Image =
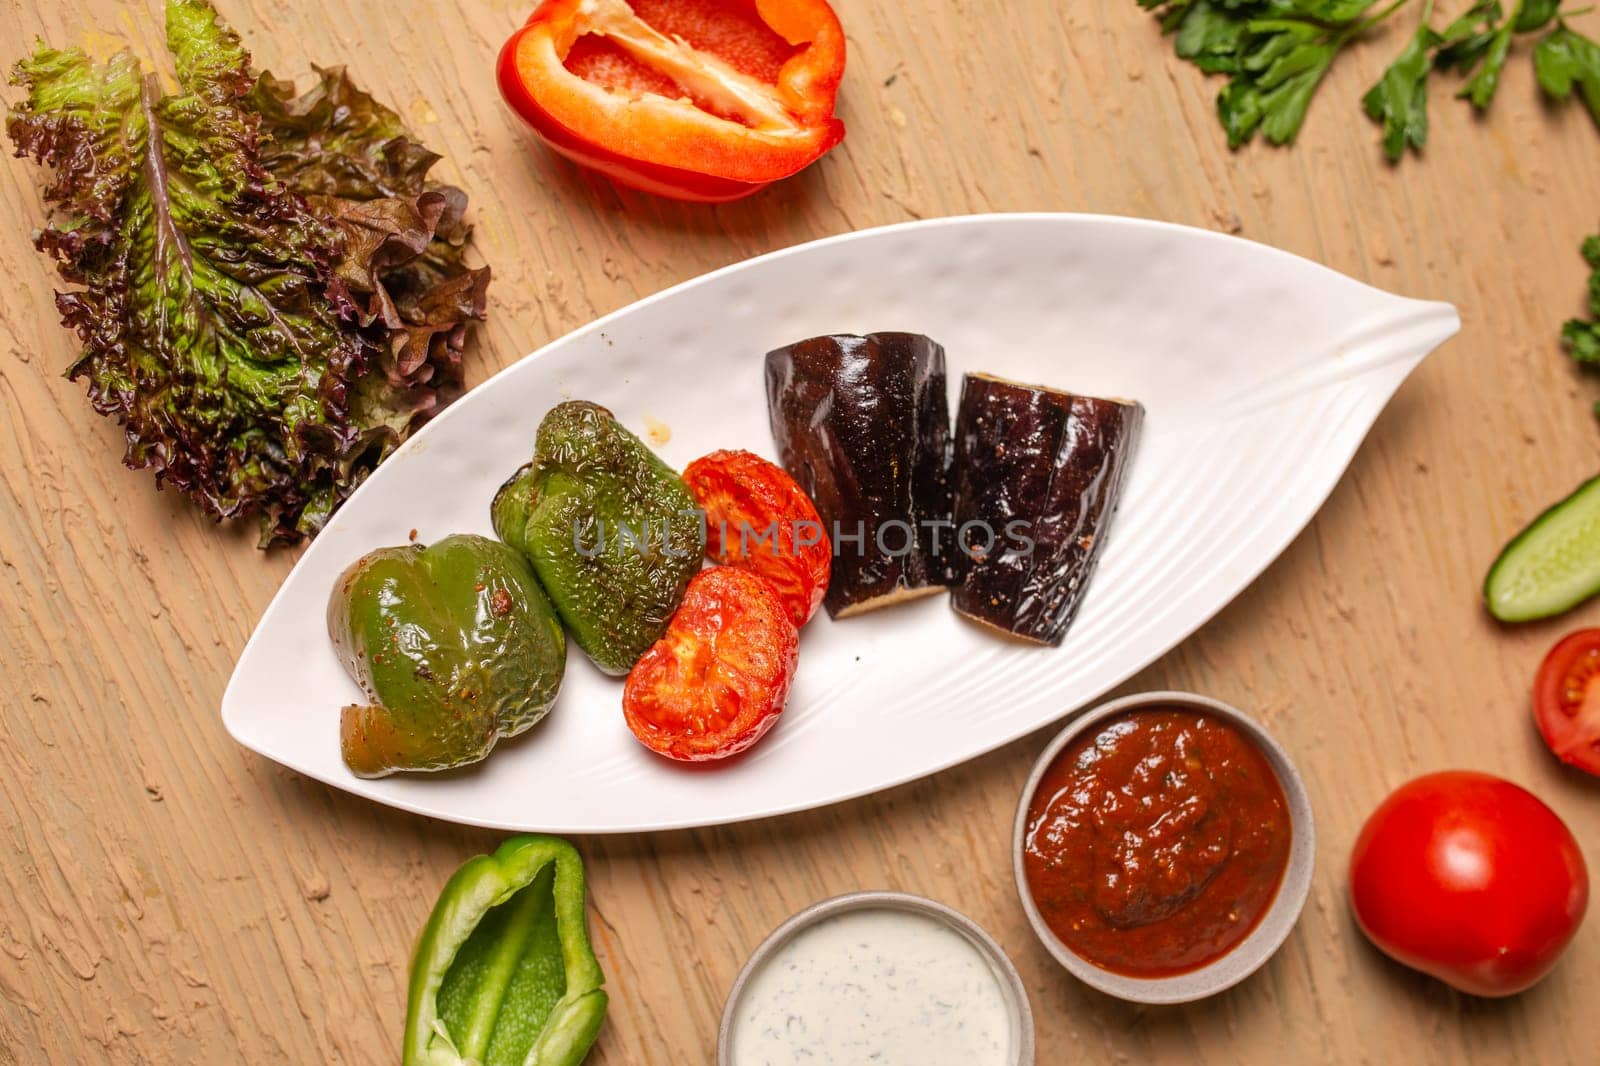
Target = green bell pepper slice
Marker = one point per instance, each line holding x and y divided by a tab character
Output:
454	646
503	973
612	531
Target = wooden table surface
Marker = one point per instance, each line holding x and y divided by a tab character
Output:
169	897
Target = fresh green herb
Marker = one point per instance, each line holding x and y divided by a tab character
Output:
1276	54
1565	60
1484	44
1535	15
268	291
1582	336
1479	41
1465	41
1400	99
1485	82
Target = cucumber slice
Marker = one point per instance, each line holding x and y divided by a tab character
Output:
1553	565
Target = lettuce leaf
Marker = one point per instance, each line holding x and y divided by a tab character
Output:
269	293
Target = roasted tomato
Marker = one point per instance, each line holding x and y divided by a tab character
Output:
705	100
1566	700
1471	879
759	519
717	681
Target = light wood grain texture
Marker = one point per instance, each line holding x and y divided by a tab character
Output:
169	897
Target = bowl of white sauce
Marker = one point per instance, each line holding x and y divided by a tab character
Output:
880	977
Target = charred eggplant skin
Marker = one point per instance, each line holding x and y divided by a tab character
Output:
1043	470
862	423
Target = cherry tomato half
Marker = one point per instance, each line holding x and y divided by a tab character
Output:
716	682
759	519
1469	878
1566	700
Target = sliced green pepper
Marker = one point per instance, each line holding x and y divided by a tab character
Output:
611	531
503	974
454	646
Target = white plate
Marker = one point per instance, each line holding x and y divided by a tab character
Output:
1260	371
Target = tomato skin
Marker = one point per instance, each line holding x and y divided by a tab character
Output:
717	681
743	496
642	146
1471	879
1566	700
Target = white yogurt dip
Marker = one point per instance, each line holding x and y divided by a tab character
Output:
880	985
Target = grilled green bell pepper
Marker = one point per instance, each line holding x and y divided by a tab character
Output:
503	974
454	646
612	532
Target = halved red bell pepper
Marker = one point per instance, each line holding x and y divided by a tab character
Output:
705	100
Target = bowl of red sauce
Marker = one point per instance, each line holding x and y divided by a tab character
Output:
1164	847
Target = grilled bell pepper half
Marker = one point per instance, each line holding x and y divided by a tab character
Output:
454	646
706	101
612	534
503	973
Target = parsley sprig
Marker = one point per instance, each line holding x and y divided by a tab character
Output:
1277	52
1566	61
1582	336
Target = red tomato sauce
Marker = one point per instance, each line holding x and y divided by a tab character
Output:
1156	842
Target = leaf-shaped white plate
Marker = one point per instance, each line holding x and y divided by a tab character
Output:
1260	371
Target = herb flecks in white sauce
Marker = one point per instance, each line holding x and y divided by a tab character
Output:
884	986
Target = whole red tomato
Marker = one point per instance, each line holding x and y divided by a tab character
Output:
1471	879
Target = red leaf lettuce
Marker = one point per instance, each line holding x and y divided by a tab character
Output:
269	292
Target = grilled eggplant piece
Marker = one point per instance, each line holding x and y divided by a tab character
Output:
863	424
1040	472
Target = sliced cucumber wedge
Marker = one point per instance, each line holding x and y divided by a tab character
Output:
1553	565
